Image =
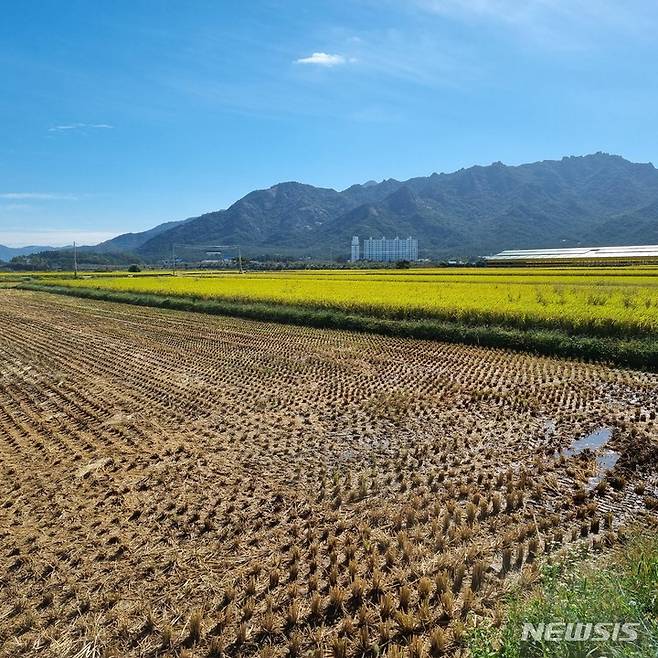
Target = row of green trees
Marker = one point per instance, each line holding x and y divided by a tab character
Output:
46	261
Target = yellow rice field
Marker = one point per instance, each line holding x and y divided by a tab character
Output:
612	301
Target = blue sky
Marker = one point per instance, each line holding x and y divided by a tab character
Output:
116	116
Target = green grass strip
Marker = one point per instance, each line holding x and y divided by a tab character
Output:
619	589
635	352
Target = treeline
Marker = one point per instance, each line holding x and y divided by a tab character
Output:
46	261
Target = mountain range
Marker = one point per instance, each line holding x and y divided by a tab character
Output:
597	199
7	253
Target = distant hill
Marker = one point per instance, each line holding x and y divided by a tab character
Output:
131	241
274	219
7	253
596	199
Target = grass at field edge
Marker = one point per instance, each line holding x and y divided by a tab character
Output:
619	587
637	352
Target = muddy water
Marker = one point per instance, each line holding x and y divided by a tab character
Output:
596	441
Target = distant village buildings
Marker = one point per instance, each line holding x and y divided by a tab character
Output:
384	249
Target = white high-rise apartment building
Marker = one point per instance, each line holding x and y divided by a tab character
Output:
385	250
356	250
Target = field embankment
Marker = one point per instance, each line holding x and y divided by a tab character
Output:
608	316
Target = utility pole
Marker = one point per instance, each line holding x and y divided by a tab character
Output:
240	260
173	259
75	259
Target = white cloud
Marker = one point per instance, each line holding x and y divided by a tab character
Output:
417	57
38	196
505	10
53	237
16	207
323	59
562	24
513	11
79	126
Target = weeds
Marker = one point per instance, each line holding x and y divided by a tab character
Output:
620	589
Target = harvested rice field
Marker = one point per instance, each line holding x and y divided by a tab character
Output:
177	484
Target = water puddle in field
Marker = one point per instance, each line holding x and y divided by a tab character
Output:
604	463
593	441
605	460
